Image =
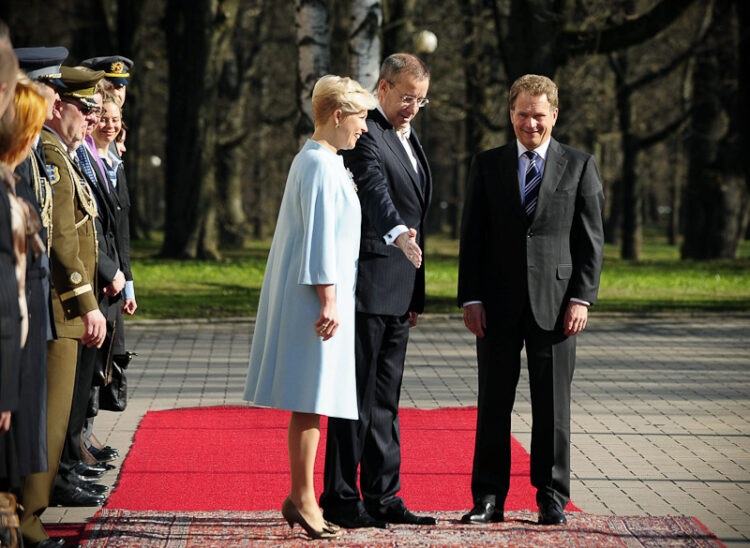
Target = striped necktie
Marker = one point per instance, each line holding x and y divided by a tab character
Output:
531	185
85	164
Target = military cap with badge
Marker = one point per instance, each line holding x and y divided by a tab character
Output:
116	68
80	87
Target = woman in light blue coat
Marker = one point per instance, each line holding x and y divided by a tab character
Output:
302	356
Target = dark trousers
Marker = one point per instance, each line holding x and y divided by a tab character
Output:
551	360
61	372
373	442
84	377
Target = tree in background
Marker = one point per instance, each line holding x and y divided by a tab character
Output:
313	56
239	88
483	45
198	39
717	202
630	80
364	42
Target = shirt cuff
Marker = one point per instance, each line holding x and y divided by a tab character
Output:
574	300
467	303
129	291
394	233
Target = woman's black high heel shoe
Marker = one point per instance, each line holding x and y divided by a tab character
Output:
292	516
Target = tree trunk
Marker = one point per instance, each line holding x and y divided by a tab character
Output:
398	26
716	195
631	188
198	35
675	195
130	33
364	42
313	57
471	11
240	70
536	31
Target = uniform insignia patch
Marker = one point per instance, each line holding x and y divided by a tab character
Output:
53	174
76	278
117	67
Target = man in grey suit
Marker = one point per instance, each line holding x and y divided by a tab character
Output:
530	259
391	172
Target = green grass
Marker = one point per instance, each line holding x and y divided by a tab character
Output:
660	282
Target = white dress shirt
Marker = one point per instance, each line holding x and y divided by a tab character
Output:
403	137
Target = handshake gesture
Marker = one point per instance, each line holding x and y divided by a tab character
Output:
407	241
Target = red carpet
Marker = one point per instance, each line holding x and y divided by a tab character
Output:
235	458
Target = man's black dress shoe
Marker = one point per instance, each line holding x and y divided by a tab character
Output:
354	520
400	514
105	454
87	484
483	512
77	478
550	513
89	470
74	496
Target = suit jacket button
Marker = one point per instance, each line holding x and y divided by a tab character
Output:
530	234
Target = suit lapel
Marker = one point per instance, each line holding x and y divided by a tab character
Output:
508	170
101	181
554	167
394	143
417	146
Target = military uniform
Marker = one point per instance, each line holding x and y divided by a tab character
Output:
73	259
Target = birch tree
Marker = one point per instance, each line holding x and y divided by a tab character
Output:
364	42
313	56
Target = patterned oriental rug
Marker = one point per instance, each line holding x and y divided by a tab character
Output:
216	477
235	458
123	528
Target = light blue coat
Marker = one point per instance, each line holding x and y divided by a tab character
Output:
316	242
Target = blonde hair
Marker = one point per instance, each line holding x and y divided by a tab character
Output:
22	122
336	92
534	85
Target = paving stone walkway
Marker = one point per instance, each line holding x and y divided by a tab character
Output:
660	416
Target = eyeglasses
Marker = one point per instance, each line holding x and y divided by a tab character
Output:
84	109
408	100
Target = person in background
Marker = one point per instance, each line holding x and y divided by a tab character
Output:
70	488
529	265
115	83
19	128
73	260
120	139
117	72
42	65
10	313
302	356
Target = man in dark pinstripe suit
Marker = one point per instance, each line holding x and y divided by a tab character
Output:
394	184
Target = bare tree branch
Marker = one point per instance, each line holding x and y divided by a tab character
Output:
632	32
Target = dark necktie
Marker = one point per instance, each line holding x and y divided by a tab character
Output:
85	164
531	185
